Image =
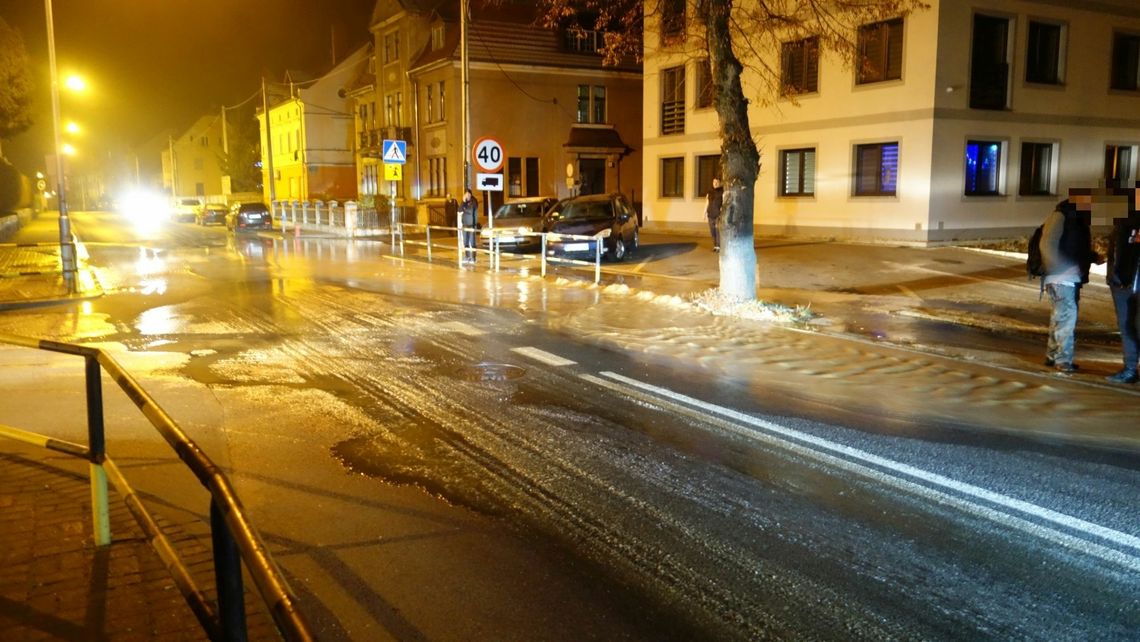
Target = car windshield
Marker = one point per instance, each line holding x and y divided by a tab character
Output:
519	210
585	210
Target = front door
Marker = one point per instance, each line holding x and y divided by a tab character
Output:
592	174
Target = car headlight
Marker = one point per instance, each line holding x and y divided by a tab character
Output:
525	230
486	233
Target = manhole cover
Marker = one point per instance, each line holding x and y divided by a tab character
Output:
491	372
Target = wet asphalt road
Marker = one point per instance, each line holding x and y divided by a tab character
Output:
437	454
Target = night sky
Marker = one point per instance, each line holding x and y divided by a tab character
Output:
154	65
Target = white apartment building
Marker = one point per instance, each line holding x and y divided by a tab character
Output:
968	120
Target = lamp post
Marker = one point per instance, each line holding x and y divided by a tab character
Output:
66	243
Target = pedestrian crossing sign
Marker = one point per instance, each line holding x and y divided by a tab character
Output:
395	151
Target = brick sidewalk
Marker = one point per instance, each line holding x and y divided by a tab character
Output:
54	583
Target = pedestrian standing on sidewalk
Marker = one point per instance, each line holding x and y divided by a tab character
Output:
712	211
1123	277
1066	251
468	218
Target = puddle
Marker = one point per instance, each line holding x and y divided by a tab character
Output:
490	372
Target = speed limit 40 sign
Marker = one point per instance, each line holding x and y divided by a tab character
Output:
488	154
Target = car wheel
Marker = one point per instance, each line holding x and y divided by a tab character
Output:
617	251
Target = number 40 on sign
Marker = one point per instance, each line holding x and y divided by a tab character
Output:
488	154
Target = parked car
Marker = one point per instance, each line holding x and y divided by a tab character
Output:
249	216
185	210
590	215
211	214
517	222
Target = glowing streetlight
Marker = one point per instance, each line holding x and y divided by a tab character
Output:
75	83
72	127
68	149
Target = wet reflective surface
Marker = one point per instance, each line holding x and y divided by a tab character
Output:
428	448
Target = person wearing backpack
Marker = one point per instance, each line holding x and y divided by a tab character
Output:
1066	254
1123	276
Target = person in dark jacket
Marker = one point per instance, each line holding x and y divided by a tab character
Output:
1066	251
1123	275
468	219
712	211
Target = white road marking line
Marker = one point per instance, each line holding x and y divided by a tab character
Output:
460	327
845	455
543	356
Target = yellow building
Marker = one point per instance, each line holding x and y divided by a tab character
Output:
308	141
970	120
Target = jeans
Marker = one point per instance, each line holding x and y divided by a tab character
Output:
469	245
1063	321
714	232
1128	319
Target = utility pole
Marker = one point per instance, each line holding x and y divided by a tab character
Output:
268	151
466	87
66	245
225	139
173	182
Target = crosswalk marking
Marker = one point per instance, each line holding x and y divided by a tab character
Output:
543	356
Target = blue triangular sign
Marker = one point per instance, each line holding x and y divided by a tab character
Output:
393	152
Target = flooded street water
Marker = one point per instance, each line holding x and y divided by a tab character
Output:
436	453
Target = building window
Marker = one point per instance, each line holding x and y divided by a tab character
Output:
583	40
442	105
591	104
708	167
199	189
1118	171
437	36
1045	53
983	167
522	176
1125	62
399	109
437	176
989	63
429	103
198	164
532	184
1036	169
799	67
673	100
876	169
880	51
391	47
797	172
672	21
205	142
704	84
672	177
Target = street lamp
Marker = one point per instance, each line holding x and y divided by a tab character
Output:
66	243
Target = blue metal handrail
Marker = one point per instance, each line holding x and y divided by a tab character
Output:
233	535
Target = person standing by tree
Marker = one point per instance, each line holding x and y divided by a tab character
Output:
1066	251
1123	277
468	218
712	211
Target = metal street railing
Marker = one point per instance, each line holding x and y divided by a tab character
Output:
234	538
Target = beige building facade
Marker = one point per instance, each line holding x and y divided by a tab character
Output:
191	162
970	120
566	123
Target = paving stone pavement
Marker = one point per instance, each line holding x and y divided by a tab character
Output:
55	584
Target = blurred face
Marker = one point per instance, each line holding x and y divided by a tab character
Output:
716	183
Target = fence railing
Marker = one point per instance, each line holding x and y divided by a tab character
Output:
350	221
234	538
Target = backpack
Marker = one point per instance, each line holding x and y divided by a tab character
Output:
1034	265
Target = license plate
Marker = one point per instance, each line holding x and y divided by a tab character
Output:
576	247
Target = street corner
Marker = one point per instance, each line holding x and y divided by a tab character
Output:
46	289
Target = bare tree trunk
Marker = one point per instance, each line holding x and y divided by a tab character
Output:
740	160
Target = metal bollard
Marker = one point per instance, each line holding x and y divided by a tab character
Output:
227	577
100	512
